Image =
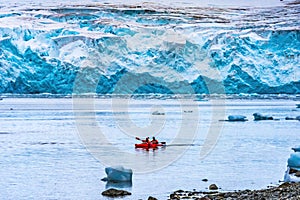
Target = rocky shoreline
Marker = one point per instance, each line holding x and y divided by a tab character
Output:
285	191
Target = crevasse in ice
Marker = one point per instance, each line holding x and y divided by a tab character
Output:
106	48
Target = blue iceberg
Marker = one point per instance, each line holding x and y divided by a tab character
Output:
292	173
294	161
118	174
296	149
237	118
258	116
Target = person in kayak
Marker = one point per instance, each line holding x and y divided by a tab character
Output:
147	140
154	141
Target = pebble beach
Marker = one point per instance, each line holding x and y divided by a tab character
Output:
288	191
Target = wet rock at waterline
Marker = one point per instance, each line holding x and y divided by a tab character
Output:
115	193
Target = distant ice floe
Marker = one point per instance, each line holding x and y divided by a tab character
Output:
158	113
258	116
236	118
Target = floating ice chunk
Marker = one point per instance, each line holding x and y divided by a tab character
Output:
293	118
157	113
118	174
258	116
293	168
294	161
237	118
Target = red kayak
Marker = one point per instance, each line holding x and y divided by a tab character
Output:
148	145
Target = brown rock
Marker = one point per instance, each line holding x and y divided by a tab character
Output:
203	198
297	174
284	185
152	198
213	187
115	193
292	171
174	196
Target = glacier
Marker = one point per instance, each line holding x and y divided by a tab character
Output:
110	48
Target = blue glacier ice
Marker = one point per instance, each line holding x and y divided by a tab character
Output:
237	118
118	174
149	48
293	167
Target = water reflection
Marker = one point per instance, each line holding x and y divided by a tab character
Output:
124	184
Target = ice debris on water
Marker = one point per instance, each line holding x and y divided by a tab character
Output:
158	113
118	174
237	118
292	173
258	116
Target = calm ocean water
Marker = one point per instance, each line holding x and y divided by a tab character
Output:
45	153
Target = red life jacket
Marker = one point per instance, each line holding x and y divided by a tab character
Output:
154	141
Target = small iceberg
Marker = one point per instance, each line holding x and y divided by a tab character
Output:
293	118
158	113
258	116
118	174
237	118
298	105
187	111
292	173
296	149
294	161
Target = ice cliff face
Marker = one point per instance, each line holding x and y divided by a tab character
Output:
150	49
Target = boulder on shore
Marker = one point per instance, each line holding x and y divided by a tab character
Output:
152	198
213	187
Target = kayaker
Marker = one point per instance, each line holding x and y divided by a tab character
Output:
154	141
147	140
